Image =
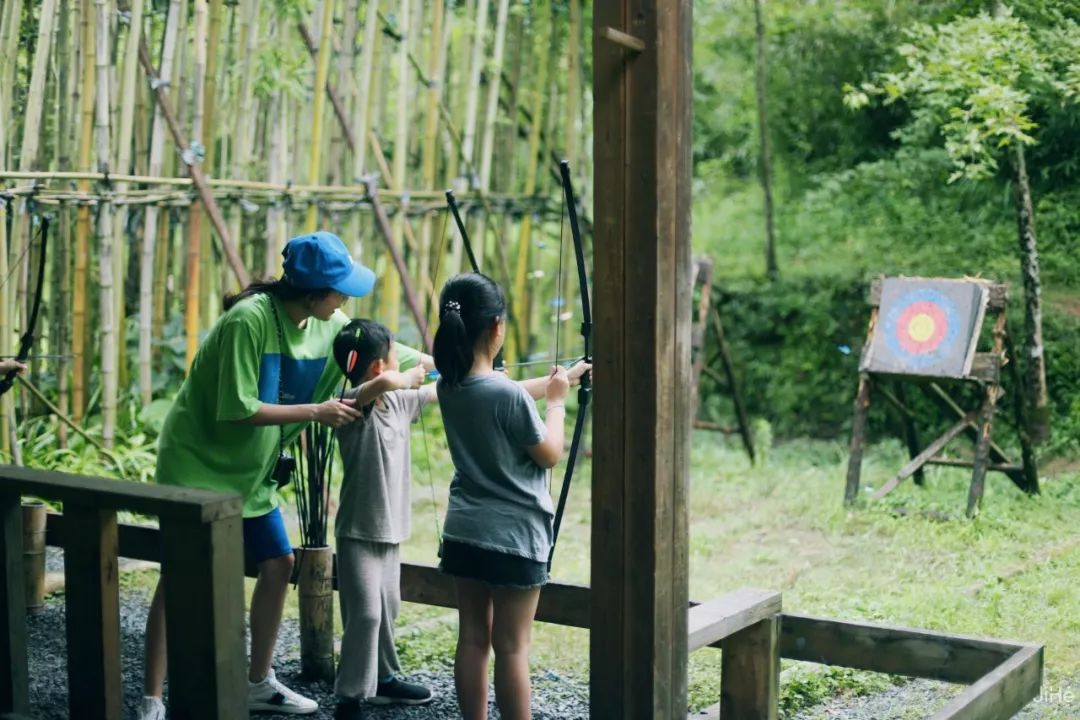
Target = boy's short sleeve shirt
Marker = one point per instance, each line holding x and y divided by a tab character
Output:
375	499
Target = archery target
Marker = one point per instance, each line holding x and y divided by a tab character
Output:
926	327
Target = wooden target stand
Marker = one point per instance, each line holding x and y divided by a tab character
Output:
707	317
984	369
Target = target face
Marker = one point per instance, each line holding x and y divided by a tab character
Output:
926	327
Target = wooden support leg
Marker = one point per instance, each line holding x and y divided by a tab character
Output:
982	449
1030	482
750	672
204	619
92	600
736	392
858	439
911	434
14	682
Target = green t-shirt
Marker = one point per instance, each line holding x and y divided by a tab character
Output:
237	369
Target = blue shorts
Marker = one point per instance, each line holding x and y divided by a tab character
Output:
265	537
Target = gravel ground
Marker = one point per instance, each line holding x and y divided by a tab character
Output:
554	698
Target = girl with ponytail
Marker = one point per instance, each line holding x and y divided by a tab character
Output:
498	530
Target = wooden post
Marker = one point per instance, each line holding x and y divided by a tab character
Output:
858	439
204	618
92	599
750	672
991	393
638	643
14	681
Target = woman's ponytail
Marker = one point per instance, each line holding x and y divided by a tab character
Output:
468	305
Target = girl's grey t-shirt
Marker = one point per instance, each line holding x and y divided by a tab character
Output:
498	498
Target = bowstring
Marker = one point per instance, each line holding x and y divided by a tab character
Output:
423	424
559	304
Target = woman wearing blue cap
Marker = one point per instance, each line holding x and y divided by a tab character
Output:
258	378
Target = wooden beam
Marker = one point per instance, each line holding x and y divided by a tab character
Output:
997	294
146	498
14	680
892	650
203	573
750	672
717	619
641	191
1002	693
92	603
922	458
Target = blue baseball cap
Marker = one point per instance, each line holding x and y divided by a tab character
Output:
320	260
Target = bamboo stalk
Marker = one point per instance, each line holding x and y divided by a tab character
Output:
487	148
193	266
107	308
242	131
542	37
9	45
150	229
472	101
322	68
126	131
390	295
437	69
363	99
67	65
82	227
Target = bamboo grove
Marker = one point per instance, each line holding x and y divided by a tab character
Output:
175	145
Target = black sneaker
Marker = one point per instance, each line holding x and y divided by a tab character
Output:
399	692
349	710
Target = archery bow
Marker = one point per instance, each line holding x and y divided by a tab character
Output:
498	363
27	338
585	388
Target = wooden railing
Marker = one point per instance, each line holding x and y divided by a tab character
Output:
200	542
200	546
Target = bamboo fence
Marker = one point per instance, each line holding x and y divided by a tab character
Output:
178	144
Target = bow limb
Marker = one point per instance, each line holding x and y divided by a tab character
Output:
585	389
26	341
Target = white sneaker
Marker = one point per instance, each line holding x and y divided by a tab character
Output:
270	695
152	708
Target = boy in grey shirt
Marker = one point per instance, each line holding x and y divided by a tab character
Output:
373	516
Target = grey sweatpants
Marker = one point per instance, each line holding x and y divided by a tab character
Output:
369	588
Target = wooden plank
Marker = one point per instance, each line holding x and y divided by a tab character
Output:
935	392
736	392
717	619
703	268
921	459
560	603
92	602
892	650
986	367
1002	693
204	619
750	672
14	680
146	498
997	294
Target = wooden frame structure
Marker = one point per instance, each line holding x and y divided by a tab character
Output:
200	546
706	316
977	423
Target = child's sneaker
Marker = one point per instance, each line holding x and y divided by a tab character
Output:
398	692
270	695
152	708
349	710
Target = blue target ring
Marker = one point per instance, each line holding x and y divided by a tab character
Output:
930	307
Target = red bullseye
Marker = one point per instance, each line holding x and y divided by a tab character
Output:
921	327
